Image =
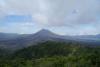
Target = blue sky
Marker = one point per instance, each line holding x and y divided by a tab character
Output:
65	17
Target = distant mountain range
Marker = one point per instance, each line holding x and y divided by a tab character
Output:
16	41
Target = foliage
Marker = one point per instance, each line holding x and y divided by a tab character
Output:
53	54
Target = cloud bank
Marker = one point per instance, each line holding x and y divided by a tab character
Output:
70	17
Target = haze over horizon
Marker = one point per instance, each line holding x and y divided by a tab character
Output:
65	17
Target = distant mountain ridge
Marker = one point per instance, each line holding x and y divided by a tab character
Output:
7	36
15	41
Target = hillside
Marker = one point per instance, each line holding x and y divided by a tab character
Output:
53	54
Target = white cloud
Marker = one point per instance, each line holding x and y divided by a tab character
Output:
21	28
40	19
56	13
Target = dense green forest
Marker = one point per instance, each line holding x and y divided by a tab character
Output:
52	54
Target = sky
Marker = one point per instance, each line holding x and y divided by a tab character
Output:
65	17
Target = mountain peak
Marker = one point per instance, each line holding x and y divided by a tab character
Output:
44	30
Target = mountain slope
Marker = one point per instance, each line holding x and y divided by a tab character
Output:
27	40
8	36
21	41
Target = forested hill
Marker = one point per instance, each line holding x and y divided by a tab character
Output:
53	54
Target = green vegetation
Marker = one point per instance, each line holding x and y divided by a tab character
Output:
53	54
